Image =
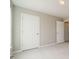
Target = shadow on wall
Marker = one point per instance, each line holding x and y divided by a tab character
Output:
66	31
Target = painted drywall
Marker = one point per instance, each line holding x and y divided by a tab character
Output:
66	31
47	26
11	6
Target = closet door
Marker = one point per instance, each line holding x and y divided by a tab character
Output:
60	31
30	31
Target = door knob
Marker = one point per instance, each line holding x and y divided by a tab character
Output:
37	33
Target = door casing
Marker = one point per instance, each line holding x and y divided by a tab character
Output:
59	31
21	36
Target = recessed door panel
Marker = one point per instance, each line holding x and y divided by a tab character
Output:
30	32
60	31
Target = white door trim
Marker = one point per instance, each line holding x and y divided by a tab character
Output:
21	34
57	32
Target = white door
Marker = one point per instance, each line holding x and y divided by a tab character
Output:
60	31
30	31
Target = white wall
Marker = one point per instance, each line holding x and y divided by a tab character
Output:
48	26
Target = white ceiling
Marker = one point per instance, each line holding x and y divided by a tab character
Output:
51	7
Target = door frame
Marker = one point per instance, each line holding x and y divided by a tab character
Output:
56	31
21	26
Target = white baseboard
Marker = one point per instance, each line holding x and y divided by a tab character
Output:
18	51
15	52
51	44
